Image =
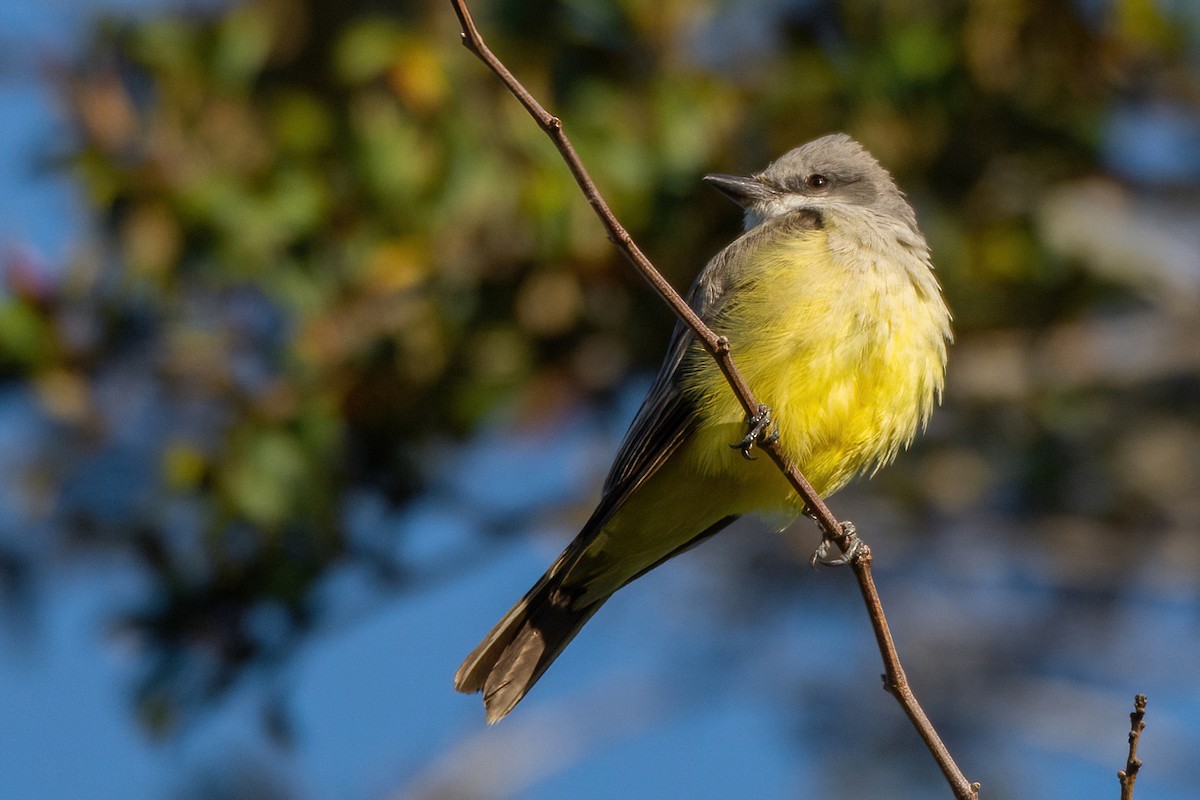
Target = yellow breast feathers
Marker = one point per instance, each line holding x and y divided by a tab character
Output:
842	335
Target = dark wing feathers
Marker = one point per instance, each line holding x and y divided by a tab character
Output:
665	418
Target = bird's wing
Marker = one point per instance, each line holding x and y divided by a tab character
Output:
666	417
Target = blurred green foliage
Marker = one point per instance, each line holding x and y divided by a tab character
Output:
330	243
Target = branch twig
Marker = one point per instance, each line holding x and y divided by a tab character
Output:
1128	775
859	555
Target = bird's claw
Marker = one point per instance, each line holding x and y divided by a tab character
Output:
825	556
758	424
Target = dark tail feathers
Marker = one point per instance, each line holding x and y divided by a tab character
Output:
522	646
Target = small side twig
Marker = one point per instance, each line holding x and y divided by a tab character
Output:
1128	776
858	554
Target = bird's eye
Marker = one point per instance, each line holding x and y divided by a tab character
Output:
816	181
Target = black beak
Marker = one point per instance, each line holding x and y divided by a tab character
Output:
743	191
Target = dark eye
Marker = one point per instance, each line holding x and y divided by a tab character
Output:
816	181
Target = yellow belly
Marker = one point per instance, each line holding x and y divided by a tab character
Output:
849	357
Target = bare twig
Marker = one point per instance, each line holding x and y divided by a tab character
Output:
858	554
1128	775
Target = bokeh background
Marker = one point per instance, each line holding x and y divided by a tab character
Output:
312	357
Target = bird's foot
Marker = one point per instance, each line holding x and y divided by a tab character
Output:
757	425
830	554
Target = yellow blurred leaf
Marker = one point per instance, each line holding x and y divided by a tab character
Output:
300	123
1006	251
1142	21
183	465
25	335
418	78
395	265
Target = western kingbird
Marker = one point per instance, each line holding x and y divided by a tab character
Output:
838	325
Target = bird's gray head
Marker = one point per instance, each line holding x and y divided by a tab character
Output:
823	174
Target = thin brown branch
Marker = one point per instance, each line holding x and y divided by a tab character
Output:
1128	776
857	553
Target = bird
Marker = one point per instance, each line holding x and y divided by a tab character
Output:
838	325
